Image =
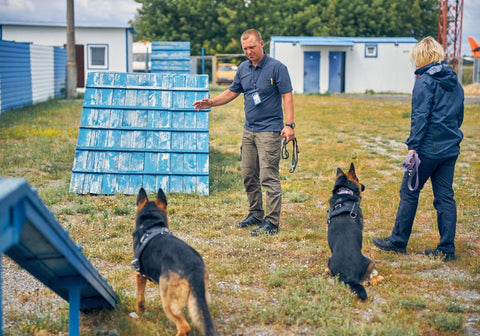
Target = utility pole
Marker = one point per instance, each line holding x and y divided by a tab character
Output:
71	58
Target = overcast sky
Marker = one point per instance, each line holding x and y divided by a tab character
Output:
119	12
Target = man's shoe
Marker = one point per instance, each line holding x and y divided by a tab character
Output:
249	221
436	253
387	245
265	228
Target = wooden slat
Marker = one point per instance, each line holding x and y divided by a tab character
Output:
141	130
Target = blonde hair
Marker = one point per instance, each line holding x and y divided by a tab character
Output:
247	33
427	51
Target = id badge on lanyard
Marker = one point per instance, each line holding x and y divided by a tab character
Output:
256	98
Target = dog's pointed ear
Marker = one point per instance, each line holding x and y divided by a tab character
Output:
161	196
142	196
340	172
352	168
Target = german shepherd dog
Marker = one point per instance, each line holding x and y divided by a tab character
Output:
176	267
345	225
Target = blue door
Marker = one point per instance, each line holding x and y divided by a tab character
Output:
336	75
311	71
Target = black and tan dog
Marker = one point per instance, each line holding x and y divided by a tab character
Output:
345	225
172	264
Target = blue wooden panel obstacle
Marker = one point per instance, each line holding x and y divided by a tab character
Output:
170	57
140	129
31	236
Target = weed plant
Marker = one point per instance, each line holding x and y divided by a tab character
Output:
269	285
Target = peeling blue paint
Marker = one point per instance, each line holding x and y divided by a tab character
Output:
140	130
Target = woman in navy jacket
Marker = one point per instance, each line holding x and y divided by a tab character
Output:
435	136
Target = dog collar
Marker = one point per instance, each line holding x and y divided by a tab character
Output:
344	191
149	234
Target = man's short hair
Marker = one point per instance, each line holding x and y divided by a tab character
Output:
247	33
427	51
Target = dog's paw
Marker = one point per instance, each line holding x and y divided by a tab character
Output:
376	280
373	274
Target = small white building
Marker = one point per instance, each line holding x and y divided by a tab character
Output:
346	64
142	53
97	48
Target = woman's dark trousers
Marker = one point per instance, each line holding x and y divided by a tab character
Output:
440	172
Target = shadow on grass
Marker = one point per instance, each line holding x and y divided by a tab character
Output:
225	172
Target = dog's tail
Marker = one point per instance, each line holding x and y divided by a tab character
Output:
198	308
358	289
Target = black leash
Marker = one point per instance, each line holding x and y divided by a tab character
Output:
295	151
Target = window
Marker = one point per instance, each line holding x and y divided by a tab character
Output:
98	56
370	50
227	68
140	57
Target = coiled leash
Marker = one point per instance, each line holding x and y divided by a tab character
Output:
410	165
295	151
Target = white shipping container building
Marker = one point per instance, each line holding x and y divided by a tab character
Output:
347	64
98	48
142	53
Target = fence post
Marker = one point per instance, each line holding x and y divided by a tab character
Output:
1	298
74	310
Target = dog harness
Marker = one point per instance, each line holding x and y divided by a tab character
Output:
343	207
140	246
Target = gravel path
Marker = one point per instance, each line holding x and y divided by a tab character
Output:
24	297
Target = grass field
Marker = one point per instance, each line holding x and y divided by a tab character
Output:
268	285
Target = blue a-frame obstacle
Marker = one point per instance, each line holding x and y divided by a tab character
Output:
140	129
31	236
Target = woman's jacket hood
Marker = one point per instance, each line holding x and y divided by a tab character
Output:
441	73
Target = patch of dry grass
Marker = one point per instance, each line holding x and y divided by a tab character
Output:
472	90
274	285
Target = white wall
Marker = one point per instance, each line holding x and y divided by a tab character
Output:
41	64
117	51
391	71
292	57
115	38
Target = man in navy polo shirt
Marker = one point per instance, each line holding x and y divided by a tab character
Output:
265	83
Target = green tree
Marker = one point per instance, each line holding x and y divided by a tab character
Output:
216	25
178	20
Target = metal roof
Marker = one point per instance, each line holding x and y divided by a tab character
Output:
59	24
339	41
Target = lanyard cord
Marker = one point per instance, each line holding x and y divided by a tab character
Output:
295	151
255	79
